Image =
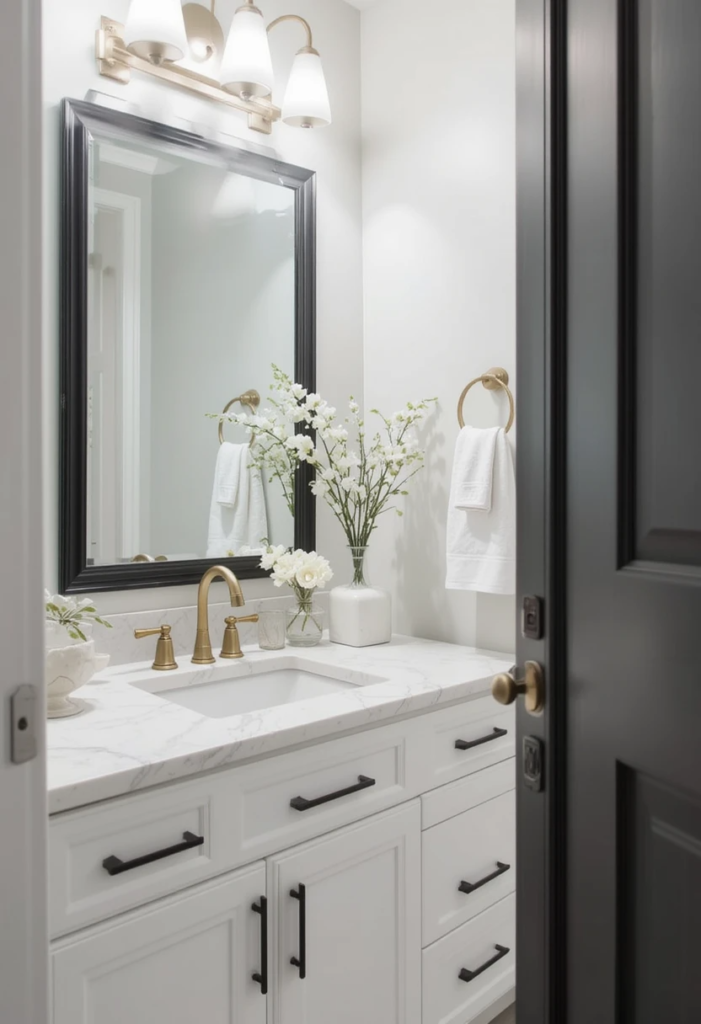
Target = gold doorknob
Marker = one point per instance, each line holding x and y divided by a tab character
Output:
505	689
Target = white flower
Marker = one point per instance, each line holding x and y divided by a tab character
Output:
297	391
362	492
335	434
329	474
313	571
348	461
314	401
354	407
349	485
303	445
271	556
320	488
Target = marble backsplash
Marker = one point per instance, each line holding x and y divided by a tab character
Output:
119	641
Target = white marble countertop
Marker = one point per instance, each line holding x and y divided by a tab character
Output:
129	739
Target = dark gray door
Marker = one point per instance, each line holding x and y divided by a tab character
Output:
614	846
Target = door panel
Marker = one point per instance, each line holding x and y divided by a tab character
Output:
661	900
662	39
363	924
633	596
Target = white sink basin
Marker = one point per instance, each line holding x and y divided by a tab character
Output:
224	690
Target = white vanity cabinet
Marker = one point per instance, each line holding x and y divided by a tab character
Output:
353	925
361	879
180	960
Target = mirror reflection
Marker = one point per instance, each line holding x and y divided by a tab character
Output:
191	298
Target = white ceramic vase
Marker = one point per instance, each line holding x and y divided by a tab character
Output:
67	669
360	615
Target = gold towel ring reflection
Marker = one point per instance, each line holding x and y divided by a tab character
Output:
495	378
250	398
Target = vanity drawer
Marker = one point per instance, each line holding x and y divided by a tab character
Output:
475	850
450	999
294	797
468	737
132	829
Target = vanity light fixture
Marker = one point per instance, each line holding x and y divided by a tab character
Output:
158	34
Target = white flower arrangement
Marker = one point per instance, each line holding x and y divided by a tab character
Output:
278	449
72	614
303	571
358	485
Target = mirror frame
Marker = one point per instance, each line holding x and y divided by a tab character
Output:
79	120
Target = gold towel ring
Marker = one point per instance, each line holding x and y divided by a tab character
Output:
495	378
251	399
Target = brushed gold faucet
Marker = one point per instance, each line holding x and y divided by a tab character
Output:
202	654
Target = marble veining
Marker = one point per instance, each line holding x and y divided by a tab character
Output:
129	739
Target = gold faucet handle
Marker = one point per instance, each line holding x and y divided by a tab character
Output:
231	646
165	655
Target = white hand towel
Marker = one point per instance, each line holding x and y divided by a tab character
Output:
227	472
237	517
473	468
481	540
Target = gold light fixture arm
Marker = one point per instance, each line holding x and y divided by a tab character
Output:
309	48
116	62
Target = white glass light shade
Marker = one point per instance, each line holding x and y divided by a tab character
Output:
247	67
306	103
155	30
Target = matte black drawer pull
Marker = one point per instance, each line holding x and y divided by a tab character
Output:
300	893
300	803
471	886
262	978
115	866
466	975
467	745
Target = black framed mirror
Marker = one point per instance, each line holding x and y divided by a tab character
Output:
187	269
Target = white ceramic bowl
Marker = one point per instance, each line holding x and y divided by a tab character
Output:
66	670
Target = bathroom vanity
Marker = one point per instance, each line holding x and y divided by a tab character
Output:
344	856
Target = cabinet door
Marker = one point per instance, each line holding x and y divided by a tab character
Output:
355	933
185	959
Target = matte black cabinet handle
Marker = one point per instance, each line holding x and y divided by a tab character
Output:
300	803
300	893
262	978
466	975
468	745
115	866
471	886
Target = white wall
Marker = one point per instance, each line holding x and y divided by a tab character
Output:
439	268
334	153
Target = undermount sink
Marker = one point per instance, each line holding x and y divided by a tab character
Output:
225	690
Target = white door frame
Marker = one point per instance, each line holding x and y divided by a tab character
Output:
23	919
129	473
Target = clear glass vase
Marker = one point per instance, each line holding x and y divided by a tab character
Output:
360	615
305	623
358	557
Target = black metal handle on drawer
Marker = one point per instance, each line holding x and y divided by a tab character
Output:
469	744
466	975
300	893
115	866
262	978
300	803
469	887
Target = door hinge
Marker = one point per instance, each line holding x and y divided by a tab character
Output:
23	712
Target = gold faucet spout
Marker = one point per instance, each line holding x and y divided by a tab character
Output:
203	648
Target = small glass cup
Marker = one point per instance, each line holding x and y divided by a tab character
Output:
271	629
